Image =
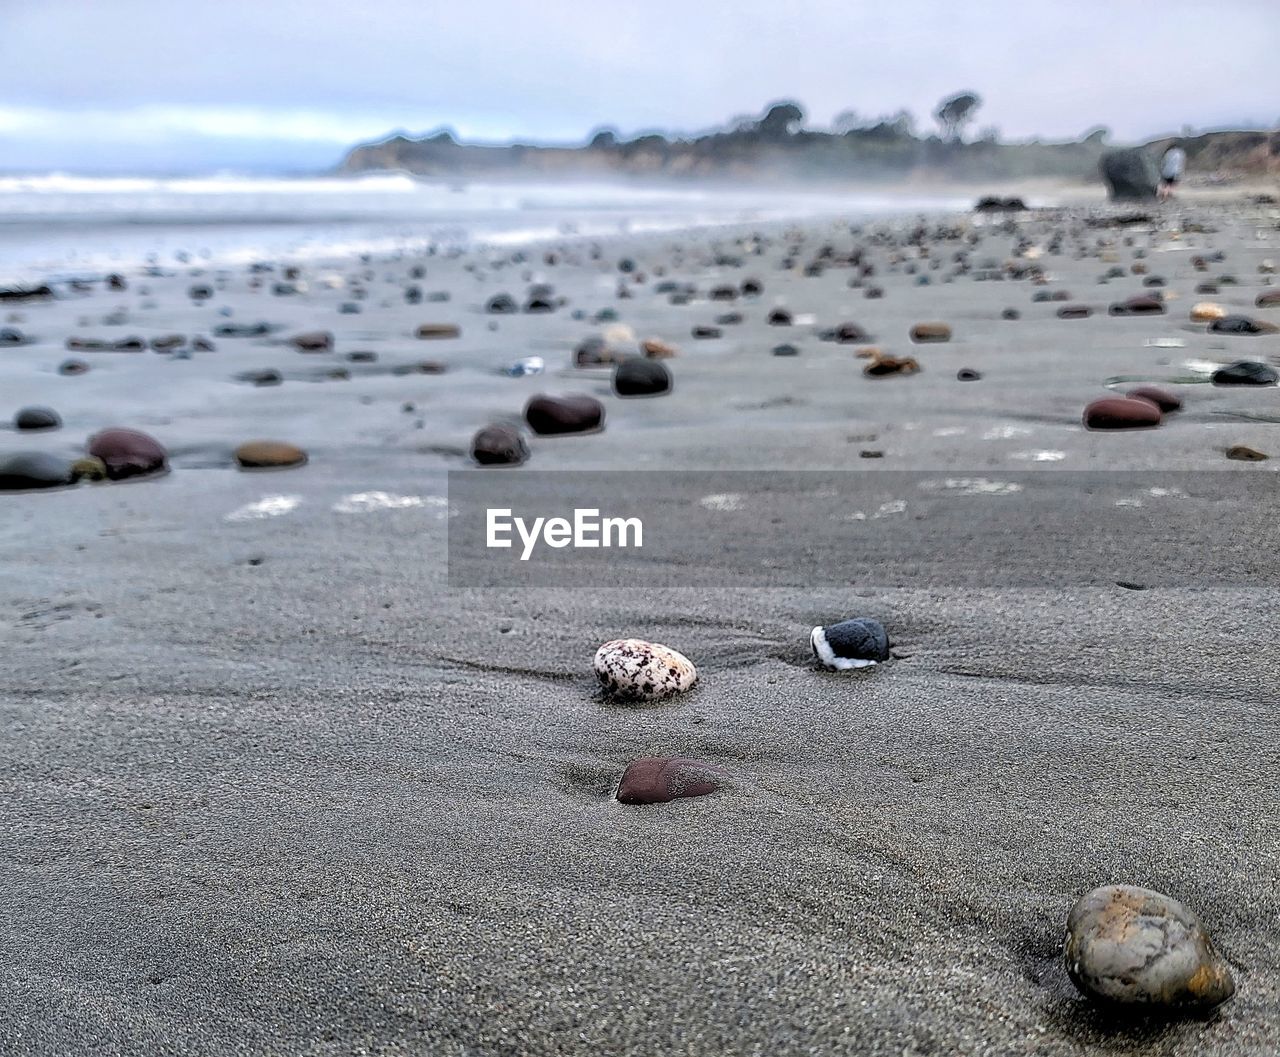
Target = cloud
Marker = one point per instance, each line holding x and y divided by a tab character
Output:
312	73
158	122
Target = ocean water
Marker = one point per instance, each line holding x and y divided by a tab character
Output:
61	225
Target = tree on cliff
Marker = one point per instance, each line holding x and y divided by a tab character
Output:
781	120
955	112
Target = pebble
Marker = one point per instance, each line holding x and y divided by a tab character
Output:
1242	325
265	376
265	454
1206	312
241	330
313	341
1074	312
128	453
31	418
1120	412
438	331
1270	299
87	467
968	374
498	445
528	366
1130	946
856	643
1243	453
551	415
661	779
593	352
637	670
1165	400
882	365
850	334
73	367
656	349
785	349
640	376
1245	372
927	332
1137	306
33	469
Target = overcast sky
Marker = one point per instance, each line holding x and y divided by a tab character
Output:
148	85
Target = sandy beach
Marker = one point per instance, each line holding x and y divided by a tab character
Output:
277	779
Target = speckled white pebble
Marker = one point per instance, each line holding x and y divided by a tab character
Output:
633	668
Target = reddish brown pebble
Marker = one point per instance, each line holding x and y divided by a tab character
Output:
1165	400
1118	412
127	453
661	779
548	415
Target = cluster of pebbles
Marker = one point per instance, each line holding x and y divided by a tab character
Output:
928	253
116	454
1126	949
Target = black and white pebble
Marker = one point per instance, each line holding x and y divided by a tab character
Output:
857	643
1128	946
1245	372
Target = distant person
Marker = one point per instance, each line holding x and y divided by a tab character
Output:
1171	166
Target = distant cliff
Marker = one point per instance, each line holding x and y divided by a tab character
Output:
774	146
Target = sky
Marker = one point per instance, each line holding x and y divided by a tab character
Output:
283	86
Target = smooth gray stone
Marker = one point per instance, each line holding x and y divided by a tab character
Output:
1129	946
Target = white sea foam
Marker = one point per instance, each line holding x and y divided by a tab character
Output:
367	502
727	501
267	506
972	486
1006	432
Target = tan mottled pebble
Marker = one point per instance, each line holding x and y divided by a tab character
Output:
1133	946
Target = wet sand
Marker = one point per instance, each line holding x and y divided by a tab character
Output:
272	786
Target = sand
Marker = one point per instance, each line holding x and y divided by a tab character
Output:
271	785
